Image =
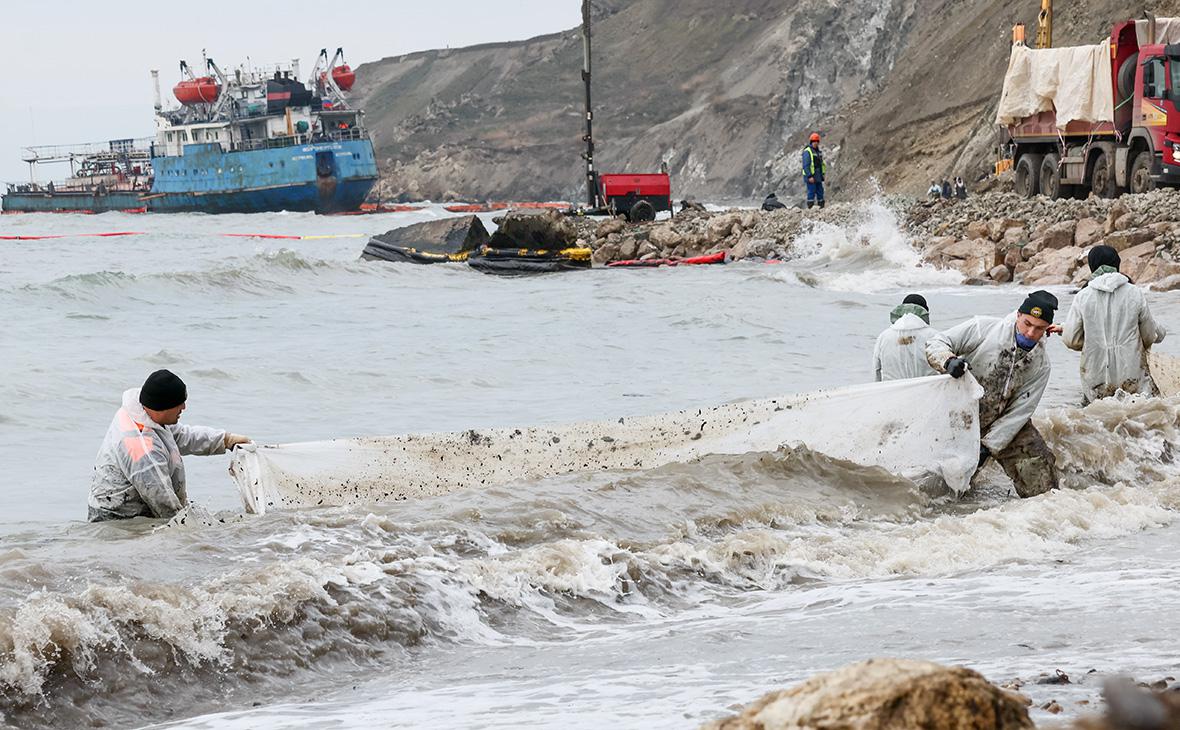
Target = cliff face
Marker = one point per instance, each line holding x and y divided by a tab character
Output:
901	89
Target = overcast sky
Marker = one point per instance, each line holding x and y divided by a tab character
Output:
78	70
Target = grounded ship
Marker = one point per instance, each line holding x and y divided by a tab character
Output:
247	142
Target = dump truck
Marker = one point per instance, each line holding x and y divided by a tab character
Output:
1102	119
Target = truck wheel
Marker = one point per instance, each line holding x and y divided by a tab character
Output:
1050	177
1028	170
642	211
1102	180
1141	181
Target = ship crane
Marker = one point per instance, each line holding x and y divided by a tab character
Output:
332	77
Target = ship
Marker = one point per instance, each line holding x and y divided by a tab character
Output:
250	141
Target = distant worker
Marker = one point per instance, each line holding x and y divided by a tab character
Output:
934	192
139	472
945	189
772	203
960	189
1110	323
900	352
1013	370
814	170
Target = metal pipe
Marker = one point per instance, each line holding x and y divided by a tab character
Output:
592	197
156	89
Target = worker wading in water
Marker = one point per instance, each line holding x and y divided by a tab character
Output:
1013	368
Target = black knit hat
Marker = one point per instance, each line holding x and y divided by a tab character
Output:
916	299
162	390
1100	256
1040	304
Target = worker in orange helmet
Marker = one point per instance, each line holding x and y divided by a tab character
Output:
814	169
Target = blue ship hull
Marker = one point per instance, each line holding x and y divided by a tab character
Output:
322	177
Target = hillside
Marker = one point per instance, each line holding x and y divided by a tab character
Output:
902	89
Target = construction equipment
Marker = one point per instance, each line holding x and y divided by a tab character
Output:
1045	25
637	196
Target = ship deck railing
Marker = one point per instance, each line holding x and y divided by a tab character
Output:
293	140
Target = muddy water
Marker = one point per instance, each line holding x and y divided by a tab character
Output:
645	598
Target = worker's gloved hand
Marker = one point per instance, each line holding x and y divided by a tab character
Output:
811	180
233	439
955	367
984	452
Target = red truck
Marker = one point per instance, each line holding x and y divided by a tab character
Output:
1134	153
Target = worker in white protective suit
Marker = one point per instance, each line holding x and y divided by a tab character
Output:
1012	366
139	471
1109	321
900	351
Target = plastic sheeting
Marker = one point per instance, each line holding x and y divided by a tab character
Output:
1167	30
920	428
1075	81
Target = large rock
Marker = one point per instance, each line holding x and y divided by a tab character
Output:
1001	274
1129	707
978	229
1120	240
1059	235
448	236
1054	267
1087	232
1170	283
886	694
1015	236
609	226
1154	270
998	226
535	229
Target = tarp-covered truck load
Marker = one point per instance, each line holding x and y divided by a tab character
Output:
1074	82
921	429
1098	119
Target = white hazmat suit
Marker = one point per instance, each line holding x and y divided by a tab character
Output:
900	352
139	470
1110	323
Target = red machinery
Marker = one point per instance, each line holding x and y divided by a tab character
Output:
1138	151
637	196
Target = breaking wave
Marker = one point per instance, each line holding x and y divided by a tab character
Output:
340	590
866	252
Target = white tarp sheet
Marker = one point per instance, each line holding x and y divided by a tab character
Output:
1167	30
914	428
1075	81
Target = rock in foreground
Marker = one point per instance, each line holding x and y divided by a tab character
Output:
428	242
886	694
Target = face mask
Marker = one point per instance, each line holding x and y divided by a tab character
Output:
1025	343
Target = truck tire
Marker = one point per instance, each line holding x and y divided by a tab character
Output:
641	212
1140	180
1028	172
1126	77
1050	178
1102	180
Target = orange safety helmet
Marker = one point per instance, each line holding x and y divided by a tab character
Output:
815	136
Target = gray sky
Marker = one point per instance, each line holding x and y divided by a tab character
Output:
77	70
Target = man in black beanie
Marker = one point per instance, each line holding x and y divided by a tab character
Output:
1006	357
139	471
1110	322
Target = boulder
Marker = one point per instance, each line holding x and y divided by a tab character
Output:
1001	274
665	237
607	227
535	229
1129	707
1059	235
628	248
1013	256
648	250
606	253
1142	250
1015	236
1117	210
753	247
1155	270
1087	232
978	229
1054	267
886	694
445	237
1120	240
1168	283
721	226
997	226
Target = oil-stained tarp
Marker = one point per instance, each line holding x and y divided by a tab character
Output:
920	428
1074	81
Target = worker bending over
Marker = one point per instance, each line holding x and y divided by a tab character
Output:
1007	359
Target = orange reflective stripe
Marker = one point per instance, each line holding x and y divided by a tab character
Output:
126	424
137	446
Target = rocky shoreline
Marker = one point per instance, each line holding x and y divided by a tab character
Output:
991	238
